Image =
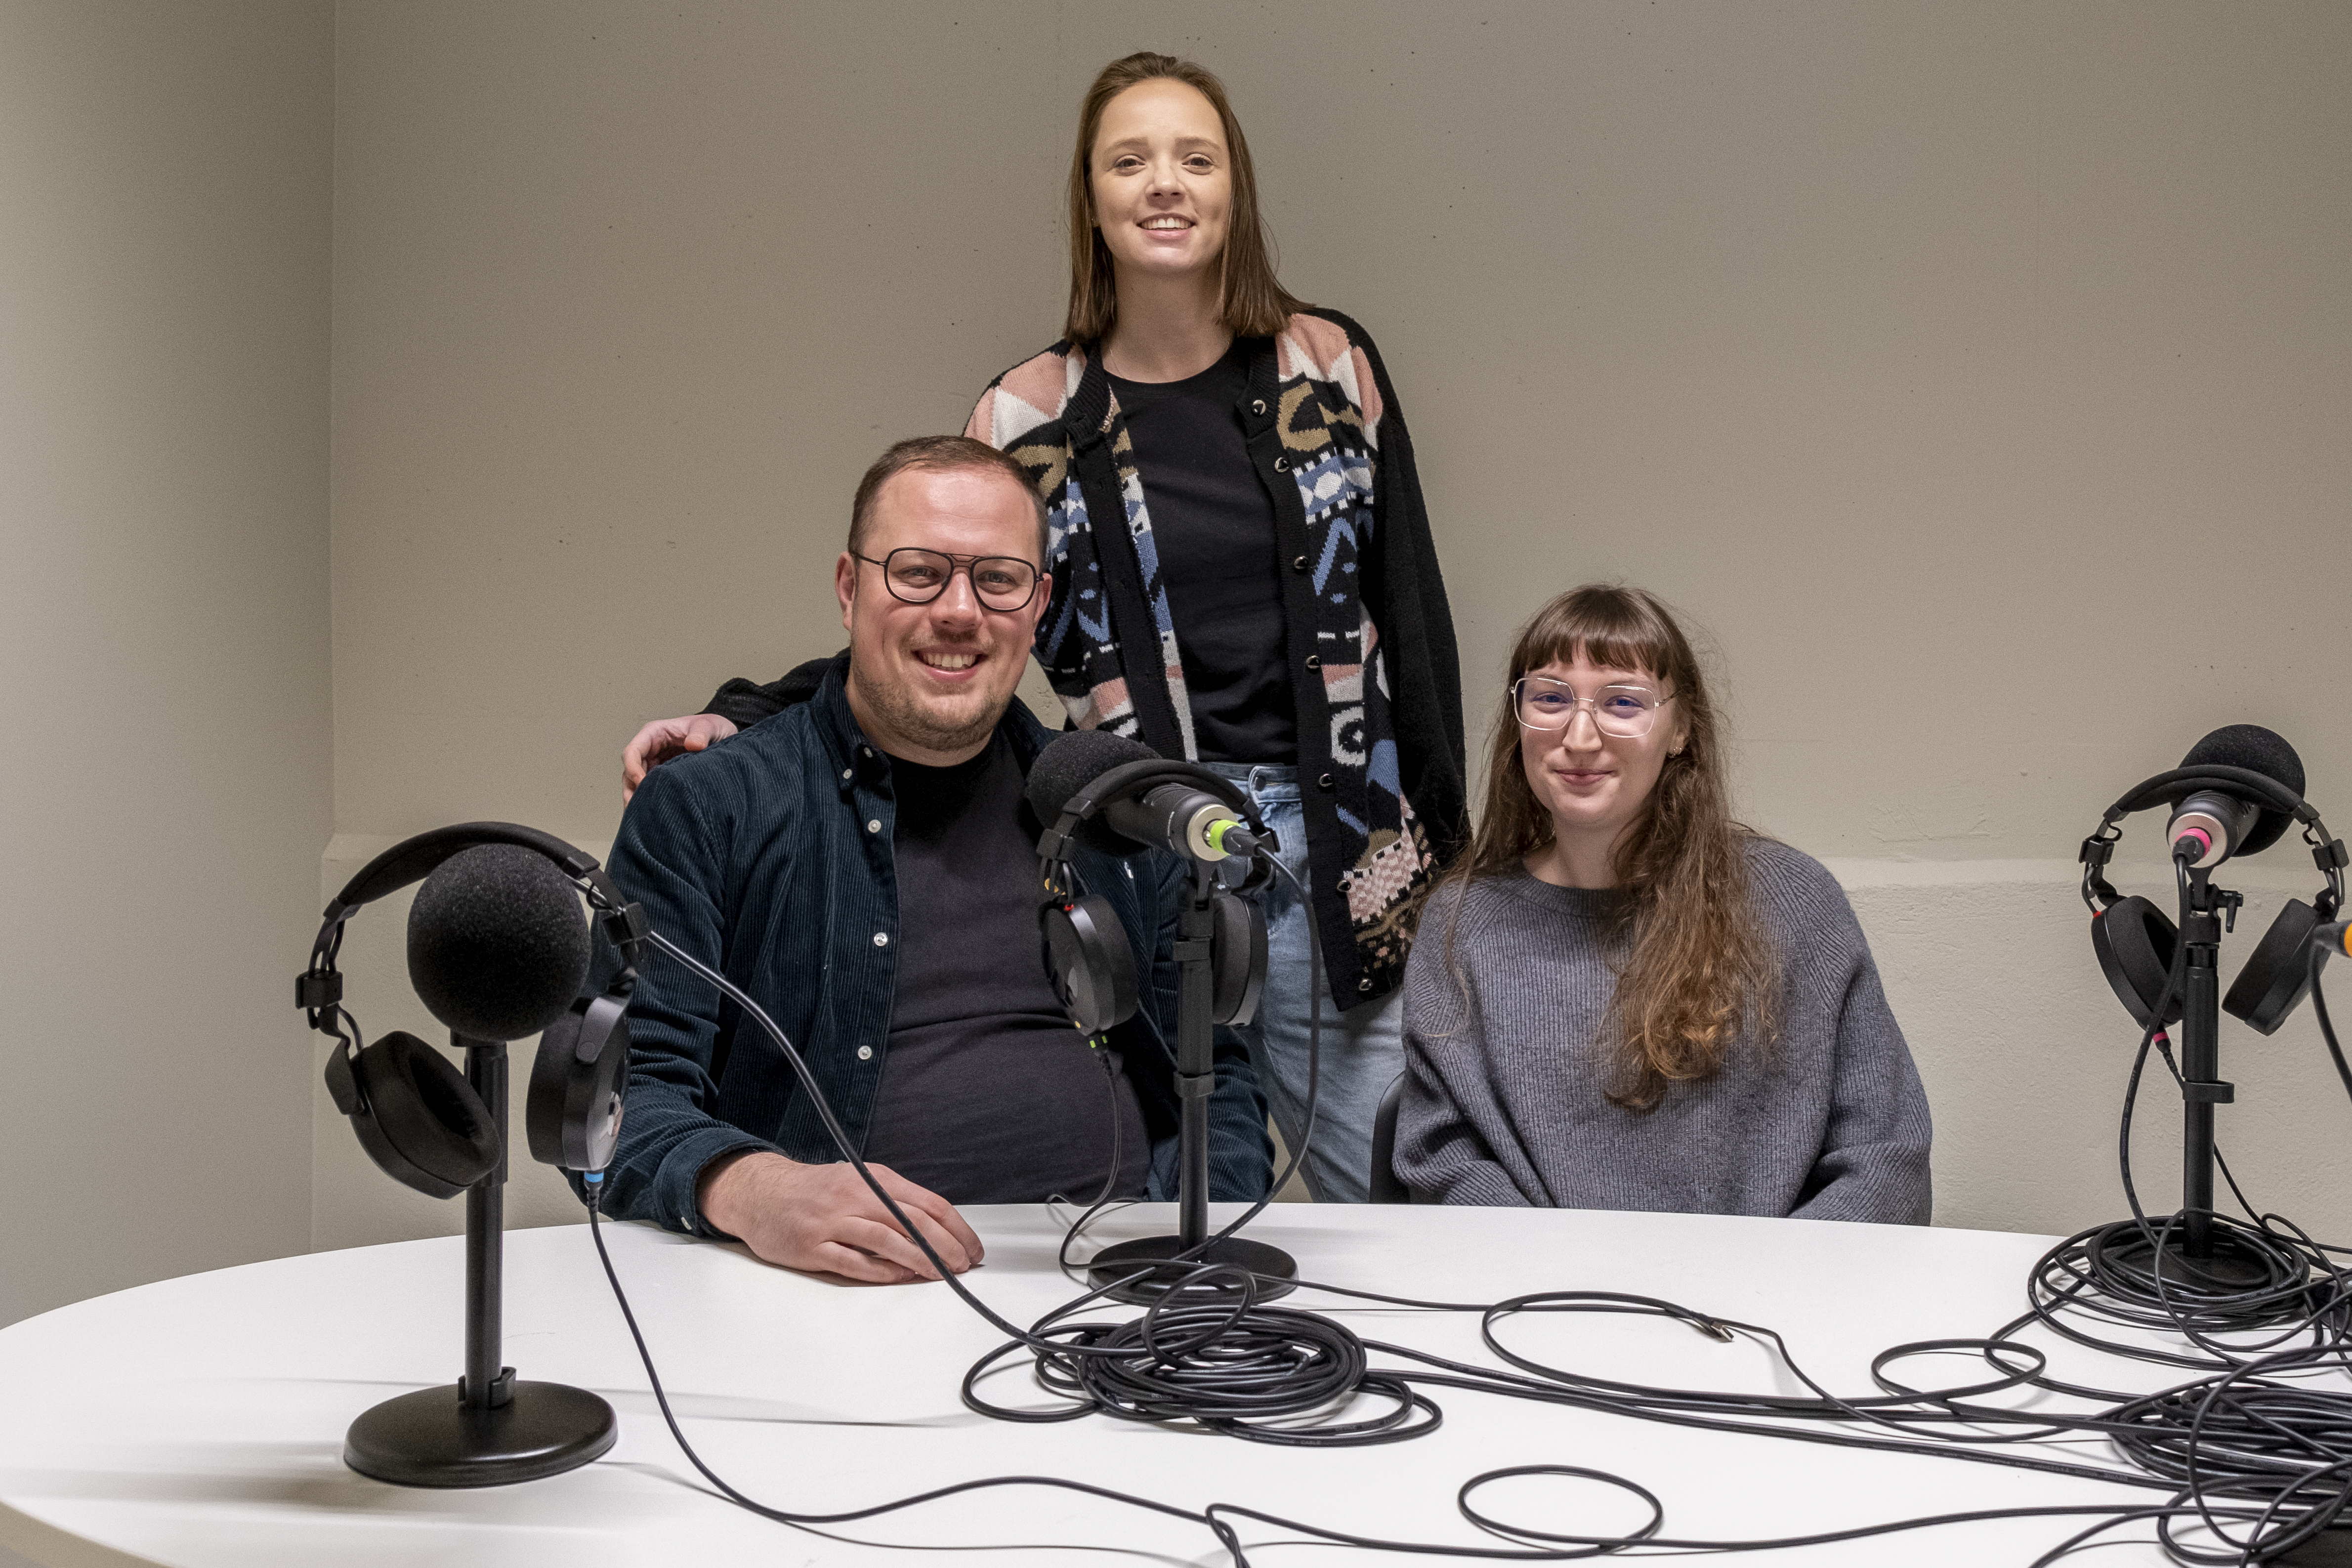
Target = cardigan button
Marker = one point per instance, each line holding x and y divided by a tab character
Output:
1282	465
1313	662
1323	783
1299	563
1365	984
1257	406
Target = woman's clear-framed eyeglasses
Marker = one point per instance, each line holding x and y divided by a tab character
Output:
1001	583
1625	711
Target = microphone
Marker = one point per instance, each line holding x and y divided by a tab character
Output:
498	947
1170	815
2212	825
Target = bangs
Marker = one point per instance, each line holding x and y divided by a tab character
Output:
1612	628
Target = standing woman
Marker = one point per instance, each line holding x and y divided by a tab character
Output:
1242	570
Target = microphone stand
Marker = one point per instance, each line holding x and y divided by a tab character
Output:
490	1430
1196	1083
2198	1253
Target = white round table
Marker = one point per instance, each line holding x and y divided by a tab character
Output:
199	1422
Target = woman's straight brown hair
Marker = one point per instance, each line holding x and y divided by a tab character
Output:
1700	971
1252	302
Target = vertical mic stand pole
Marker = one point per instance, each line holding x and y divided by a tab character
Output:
2200	1063
490	1430
2203	1256
487	1384
1196	1054
1196	1084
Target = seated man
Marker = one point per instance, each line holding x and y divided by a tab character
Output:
863	864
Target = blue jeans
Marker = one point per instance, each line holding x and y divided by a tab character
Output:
1363	1048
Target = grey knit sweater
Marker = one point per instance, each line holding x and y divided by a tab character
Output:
1506	1068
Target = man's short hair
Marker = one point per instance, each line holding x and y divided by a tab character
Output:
939	454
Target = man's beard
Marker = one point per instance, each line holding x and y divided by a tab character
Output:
923	724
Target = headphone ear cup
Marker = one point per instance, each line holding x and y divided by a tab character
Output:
2135	942
419	1119
2277	973
1089	961
1237	957
572	1112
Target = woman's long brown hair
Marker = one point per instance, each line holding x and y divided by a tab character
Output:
1253	303
1699	971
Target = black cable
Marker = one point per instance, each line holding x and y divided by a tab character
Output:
1228	1367
1213	1518
2247	1447
594	1183
1100	1045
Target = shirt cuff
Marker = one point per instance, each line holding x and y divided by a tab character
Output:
682	1173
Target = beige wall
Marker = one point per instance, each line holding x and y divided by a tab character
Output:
1909	348
164	215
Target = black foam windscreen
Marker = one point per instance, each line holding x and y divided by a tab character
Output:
497	946
1069	762
2260	751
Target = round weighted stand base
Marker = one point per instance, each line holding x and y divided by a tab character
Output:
2235	1267
430	1438
1115	1263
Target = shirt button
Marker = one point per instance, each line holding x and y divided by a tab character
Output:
1257	406
865	1053
881	939
873	825
1323	783
1313	662
848	773
1282	465
1298	565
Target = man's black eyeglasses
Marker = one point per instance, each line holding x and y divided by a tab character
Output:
918	577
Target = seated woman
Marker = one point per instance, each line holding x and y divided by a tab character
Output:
1619	998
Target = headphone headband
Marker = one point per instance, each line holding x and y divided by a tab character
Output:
413	859
320	988
2167	788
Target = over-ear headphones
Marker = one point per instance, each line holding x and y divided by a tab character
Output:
1087	956
415	1115
2136	942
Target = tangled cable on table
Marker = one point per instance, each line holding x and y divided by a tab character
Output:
2253	1462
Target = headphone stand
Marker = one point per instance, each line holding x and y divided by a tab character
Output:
2196	1255
489	1430
2200	1062
1196	1080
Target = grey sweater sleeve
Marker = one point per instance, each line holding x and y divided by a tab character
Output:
1873	1161
1440	1152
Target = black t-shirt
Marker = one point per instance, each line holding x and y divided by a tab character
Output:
988	1094
1215	526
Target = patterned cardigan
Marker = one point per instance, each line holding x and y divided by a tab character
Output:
1374	673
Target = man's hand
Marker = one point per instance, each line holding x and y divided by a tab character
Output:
663	739
823	1220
